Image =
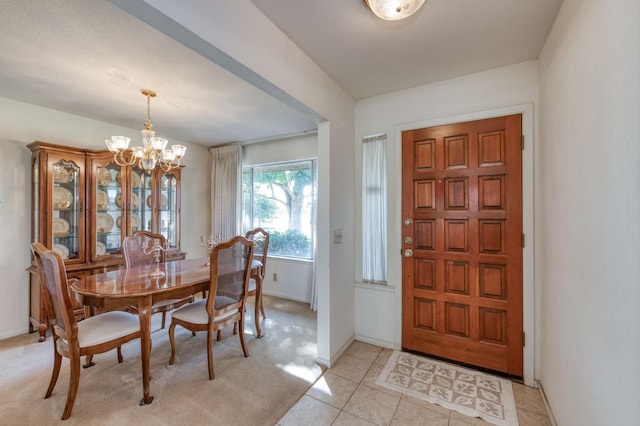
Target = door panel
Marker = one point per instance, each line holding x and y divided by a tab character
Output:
462	222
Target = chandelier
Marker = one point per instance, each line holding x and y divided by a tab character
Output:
393	10
152	153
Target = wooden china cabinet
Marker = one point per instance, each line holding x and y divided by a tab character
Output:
84	205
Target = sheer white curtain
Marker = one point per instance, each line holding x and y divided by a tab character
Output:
374	209
226	191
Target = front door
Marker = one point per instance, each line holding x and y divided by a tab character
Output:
462	243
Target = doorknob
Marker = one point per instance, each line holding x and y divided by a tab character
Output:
408	253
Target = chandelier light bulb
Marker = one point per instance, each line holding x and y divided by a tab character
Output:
393	10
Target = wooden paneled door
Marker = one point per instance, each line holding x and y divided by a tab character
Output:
462	243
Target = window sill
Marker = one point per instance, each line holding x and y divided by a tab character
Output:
379	287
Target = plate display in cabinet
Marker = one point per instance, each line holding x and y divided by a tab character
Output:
135	179
61	175
60	227
135	222
101	249
164	202
62	250
62	198
104	223
135	201
104	176
102	199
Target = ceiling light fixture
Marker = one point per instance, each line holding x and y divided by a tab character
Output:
152	153
394	10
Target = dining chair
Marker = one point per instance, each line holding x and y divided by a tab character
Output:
73	339
134	255
229	279
260	239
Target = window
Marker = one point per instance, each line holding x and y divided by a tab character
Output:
281	198
374	209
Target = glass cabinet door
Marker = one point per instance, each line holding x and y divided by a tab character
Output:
141	218
168	207
110	202
66	206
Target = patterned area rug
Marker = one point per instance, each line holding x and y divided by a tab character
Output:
469	392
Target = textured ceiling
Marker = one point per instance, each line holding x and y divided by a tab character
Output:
91	58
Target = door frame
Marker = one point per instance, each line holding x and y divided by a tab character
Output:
395	219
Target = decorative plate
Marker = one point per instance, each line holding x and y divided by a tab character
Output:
135	222
61	174
135	201
62	250
102	199
164	202
104	223
104	176
60	226
101	249
135	179
62	198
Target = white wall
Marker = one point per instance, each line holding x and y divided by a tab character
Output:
500	91
22	124
588	214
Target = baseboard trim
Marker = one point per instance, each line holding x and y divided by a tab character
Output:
376	342
546	403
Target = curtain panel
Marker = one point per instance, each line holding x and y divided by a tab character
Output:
374	209
226	191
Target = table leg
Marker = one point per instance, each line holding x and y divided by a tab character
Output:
258	302
144	313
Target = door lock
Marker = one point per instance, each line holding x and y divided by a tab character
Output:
408	222
408	240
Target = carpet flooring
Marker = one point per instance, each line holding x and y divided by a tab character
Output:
257	390
467	391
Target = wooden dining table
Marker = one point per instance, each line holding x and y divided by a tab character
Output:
134	287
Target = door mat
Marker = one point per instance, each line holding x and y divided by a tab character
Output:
466	391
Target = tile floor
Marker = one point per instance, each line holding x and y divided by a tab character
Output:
346	394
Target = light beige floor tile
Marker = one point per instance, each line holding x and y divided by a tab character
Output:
528	398
383	356
351	368
363	351
310	412
371	377
372	405
333	390
528	418
348	419
409	414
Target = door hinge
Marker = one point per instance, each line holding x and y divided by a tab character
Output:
523	240
522	141
523	339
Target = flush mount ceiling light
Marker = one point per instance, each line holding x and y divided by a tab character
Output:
393	10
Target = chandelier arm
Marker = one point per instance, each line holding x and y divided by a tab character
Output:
121	160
